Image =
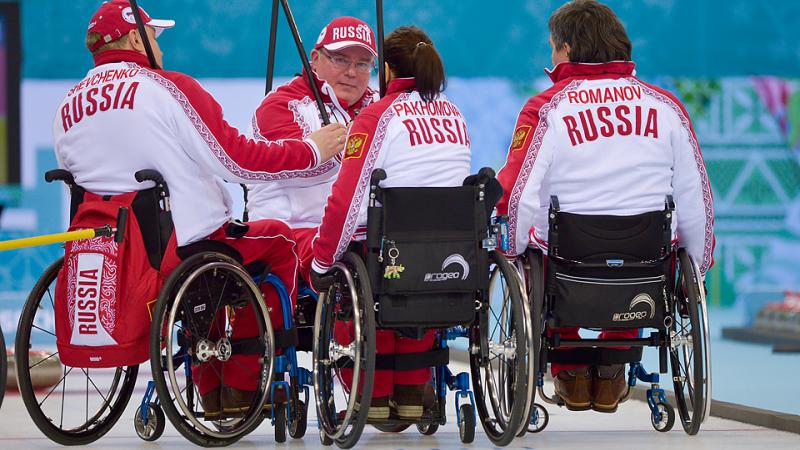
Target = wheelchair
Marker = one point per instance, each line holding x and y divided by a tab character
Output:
205	291
621	272
429	263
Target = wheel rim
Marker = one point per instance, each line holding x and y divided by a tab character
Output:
688	354
112	387
327	351
189	409
145	431
503	410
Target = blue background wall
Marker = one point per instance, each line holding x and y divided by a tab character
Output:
227	38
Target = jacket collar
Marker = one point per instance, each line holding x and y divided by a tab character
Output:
115	56
569	69
400	84
329	96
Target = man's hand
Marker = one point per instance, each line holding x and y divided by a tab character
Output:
330	140
321	282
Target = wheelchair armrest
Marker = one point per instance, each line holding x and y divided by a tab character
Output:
59	174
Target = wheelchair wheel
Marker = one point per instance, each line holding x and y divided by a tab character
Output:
280	425
539	419
156	422
3	367
344	341
427	429
80	405
689	353
665	419
501	365
466	423
193	343
298	426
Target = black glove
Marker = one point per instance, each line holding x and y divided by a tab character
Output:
321	282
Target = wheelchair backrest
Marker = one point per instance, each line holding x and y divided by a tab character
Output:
609	271
427	243
613	239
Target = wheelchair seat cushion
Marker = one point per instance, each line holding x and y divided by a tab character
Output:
186	251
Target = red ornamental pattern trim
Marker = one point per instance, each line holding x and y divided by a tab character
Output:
202	128
366	172
322	169
530	158
708	200
109	280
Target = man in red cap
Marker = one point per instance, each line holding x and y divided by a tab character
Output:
126	115
342	60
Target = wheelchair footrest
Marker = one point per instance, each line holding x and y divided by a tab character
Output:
428	417
595	356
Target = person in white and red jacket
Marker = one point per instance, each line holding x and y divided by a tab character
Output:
126	115
604	142
420	139
341	61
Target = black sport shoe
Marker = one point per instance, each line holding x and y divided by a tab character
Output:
378	409
211	404
408	400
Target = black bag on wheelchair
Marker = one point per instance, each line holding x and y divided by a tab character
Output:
609	271
428	261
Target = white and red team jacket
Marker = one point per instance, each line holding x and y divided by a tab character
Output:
297	197
125	116
418	144
605	142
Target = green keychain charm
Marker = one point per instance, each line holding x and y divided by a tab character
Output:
393	271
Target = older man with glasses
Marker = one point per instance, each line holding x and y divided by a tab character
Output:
342	60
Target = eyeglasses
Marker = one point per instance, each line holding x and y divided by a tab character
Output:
343	63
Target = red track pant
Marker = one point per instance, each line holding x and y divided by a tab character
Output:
389	342
272	242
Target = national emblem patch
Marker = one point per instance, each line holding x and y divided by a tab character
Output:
520	135
355	145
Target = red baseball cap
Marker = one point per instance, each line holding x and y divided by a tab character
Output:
114	19
344	32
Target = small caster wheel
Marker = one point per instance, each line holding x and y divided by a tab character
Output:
154	427
427	429
665	418
539	419
324	439
280	424
466	424
297	428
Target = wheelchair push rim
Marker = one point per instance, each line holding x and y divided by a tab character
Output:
503	376
344	430
689	352
99	414
187	413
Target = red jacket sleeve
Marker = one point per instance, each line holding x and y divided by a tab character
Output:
274	121
220	147
348	195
